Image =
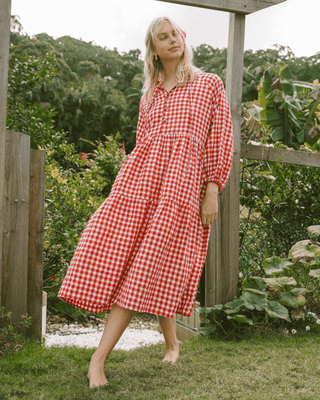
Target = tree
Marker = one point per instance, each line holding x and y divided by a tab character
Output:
26	76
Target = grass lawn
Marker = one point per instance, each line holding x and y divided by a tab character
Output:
257	368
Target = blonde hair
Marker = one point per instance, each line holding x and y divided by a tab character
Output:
153	69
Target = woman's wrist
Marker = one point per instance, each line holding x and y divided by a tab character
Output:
212	187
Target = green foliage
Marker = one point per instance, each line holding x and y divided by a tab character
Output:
254	307
276	297
76	185
90	110
26	77
210	59
87	68
39	49
119	67
278	203
285	110
301	272
88	90
130	120
11	339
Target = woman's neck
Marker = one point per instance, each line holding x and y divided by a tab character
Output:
170	72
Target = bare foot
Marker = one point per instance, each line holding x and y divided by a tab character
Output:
96	374
172	355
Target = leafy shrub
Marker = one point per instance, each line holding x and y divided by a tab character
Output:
284	299
278	203
11	339
74	191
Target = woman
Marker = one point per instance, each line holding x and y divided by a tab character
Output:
143	250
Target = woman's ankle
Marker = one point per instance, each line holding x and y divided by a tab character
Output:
98	358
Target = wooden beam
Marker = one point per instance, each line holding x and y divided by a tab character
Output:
16	224
5	16
222	262
280	155
235	73
233	6
36	237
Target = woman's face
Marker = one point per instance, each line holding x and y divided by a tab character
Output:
168	42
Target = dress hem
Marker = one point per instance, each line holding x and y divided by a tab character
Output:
100	308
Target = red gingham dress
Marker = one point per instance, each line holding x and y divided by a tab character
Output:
144	248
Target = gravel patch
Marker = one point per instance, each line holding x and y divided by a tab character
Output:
141	332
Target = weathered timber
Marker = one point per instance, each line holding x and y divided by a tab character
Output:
16	224
193	320
222	261
186	326
5	15
280	155
233	6
36	235
235	73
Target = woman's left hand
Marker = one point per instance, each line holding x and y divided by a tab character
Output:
209	206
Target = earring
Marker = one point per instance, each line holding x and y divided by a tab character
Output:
156	57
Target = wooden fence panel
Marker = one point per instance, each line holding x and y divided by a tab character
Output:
36	235
222	261
280	155
5	14
16	224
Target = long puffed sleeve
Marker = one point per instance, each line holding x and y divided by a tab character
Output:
219	148
141	123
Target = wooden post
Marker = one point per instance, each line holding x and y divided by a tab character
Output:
36	234
16	224
222	262
5	16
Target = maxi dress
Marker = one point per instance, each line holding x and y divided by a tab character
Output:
145	246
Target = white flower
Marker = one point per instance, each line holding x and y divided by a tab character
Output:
285	331
307	328
293	331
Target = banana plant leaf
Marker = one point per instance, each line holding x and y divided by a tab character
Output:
286	79
284	110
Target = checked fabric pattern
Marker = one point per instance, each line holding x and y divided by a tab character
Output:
144	248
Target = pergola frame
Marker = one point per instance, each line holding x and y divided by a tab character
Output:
232	6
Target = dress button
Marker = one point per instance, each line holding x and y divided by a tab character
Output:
165	109
164	121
